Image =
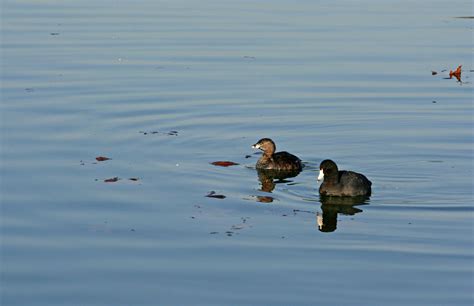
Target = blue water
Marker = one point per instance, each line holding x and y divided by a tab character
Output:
350	81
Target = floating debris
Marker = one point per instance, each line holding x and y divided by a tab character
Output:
112	180
304	211
134	179
434	73
456	73
102	158
224	163
170	133
213	194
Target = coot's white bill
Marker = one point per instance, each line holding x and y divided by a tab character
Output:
321	175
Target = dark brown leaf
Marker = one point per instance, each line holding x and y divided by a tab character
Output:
213	194
112	180
102	158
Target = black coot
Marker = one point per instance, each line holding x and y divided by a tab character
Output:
342	183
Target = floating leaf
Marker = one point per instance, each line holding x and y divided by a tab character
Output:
224	163
134	179
112	180
102	158
303	211
456	73
170	133
213	194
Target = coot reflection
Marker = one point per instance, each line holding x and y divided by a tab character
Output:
332	206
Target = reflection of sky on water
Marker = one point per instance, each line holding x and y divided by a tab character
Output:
350	81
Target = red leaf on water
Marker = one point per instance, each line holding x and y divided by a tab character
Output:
456	73
102	158
224	163
112	180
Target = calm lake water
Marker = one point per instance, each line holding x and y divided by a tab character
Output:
164	88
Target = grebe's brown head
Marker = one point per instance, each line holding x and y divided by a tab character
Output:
266	145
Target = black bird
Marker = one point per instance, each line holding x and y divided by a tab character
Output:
275	161
342	183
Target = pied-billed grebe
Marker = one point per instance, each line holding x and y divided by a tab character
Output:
342	183
275	161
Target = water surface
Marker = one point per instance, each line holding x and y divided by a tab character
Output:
347	81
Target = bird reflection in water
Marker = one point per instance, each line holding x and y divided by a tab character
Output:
332	206
269	178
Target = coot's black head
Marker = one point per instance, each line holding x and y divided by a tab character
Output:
327	169
266	145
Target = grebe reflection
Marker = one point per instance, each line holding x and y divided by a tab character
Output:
269	178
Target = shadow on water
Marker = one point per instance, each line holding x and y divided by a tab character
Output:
332	206
269	178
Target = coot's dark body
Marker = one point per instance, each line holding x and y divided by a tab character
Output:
342	183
